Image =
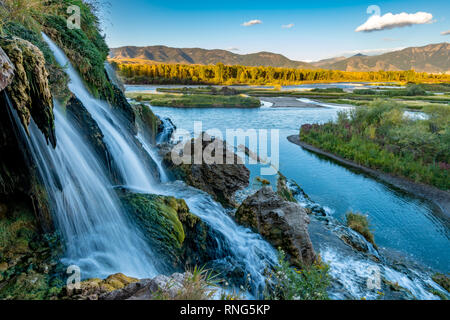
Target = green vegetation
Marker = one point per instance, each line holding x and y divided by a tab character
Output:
198	284
360	224
414	90
379	136
196	100
308	283
237	74
442	280
86	48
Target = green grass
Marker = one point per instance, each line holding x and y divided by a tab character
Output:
378	136
359	223
196	100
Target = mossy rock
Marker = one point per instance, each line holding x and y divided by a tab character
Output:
283	190
168	225
442	280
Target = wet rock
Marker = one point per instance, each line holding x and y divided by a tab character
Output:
180	237
119	103
147	122
442	280
221	175
283	223
91	133
30	92
6	70
161	287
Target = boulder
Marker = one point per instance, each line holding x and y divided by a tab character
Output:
180	237
92	289
283	223
221	179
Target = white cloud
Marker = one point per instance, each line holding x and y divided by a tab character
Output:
287	26
233	49
445	33
390	21
251	23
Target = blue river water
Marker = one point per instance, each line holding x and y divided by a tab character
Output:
400	221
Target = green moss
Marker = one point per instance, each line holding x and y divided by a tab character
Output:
442	280
283	190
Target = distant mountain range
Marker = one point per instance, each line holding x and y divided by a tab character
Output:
433	58
163	54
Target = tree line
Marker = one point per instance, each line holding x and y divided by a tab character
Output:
237	74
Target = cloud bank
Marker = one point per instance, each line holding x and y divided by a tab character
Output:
251	23
390	21
445	33
287	26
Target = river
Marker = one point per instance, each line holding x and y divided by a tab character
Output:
400	221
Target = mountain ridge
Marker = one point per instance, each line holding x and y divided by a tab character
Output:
165	54
432	58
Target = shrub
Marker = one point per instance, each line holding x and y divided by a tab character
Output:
360	224
287	283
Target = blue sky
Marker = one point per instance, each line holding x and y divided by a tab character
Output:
322	29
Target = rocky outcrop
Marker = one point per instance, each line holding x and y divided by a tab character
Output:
93	289
30	91
283	223
180	237
120	287
30	96
6	70
221	177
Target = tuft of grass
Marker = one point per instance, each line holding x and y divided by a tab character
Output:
360	224
198	285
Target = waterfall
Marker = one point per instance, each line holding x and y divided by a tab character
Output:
97	236
242	248
119	140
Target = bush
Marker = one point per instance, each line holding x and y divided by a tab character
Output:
287	283
359	223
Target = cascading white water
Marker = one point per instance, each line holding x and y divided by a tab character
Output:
98	238
153	154
120	142
249	250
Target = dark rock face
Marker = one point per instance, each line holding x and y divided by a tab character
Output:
30	92
6	70
221	180
119	103
90	131
147	122
283	223
166	222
